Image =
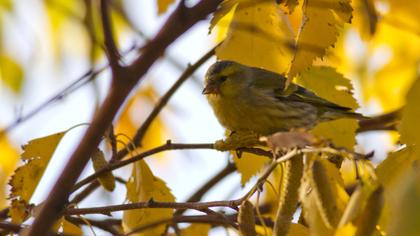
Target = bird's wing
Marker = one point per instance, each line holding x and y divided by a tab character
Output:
275	83
297	93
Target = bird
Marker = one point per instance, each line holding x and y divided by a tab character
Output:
251	99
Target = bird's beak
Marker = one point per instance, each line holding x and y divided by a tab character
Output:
211	88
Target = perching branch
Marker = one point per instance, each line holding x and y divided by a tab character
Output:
165	147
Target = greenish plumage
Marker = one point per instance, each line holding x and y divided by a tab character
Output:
252	99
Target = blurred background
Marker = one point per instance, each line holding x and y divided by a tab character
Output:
46	45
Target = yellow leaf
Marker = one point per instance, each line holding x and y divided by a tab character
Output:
259	35
163	5
11	73
391	173
404	14
196	229
223	10
133	116
143	186
107	180
323	199
71	229
326	193
289	194
246	219
298	230
42	148
37	154
319	30
311	212
327	83
18	211
249	165
342	132
395	166
405	209
346	230
8	160
410	133
366	223
384	59
354	206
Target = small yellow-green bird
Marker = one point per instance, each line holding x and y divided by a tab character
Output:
251	99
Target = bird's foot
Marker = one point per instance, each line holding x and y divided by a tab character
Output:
236	140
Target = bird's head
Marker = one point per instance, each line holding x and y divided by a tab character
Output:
225	78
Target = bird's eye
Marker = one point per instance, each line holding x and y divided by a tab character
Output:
223	78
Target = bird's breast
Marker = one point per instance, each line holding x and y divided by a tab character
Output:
260	113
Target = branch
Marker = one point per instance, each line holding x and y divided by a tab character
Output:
85	192
152	204
172	60
180	21
8	227
110	47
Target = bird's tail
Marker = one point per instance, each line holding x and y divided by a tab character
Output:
387	121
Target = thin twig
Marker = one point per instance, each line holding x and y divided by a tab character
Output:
165	147
85	192
110	46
